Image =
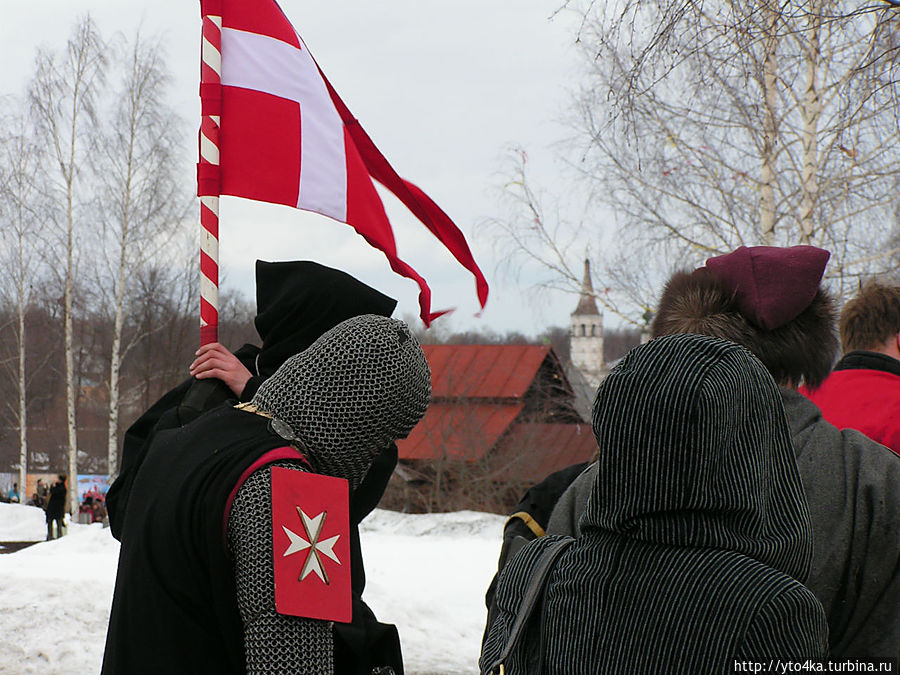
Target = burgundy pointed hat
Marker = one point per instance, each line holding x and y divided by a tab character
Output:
772	285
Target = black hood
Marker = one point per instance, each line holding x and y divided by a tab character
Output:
695	451
298	301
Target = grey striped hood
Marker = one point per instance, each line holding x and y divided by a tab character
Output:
695	451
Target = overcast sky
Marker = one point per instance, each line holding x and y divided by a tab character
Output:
443	87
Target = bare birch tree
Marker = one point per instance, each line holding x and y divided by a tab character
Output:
19	223
141	200
706	125
63	92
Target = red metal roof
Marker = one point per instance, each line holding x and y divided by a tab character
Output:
483	371
532	451
467	422
461	431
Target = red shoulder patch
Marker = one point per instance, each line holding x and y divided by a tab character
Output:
311	545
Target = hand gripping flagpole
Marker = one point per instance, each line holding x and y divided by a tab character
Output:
208	172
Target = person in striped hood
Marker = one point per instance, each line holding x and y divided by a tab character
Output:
695	541
771	301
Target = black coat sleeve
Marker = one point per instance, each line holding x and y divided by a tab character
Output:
791	626
134	446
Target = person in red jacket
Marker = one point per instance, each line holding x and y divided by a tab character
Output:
863	391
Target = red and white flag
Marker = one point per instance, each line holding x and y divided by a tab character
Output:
311	545
286	137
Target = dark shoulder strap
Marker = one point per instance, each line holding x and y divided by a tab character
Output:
534	593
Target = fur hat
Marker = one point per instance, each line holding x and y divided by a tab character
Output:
800	350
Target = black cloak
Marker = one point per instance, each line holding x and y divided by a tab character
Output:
696	538
297	301
175	602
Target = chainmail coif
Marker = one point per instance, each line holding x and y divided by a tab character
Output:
359	387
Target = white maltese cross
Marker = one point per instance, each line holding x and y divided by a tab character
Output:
313	528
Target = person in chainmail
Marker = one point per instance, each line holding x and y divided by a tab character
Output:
195	590
297	301
695	541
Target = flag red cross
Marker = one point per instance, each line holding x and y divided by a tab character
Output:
264	64
286	137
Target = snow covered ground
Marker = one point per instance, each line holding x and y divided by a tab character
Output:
425	573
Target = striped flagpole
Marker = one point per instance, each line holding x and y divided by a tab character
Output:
208	174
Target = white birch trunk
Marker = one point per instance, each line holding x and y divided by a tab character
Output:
68	321
115	361
770	135
115	357
23	420
21	159
812	111
68	329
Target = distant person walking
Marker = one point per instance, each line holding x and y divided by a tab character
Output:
56	506
13	495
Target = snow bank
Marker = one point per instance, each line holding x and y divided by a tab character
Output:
22	523
428	575
54	596
425	573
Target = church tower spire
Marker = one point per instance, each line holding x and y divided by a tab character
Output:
586	332
587	304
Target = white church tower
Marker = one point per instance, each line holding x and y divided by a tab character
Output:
586	333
